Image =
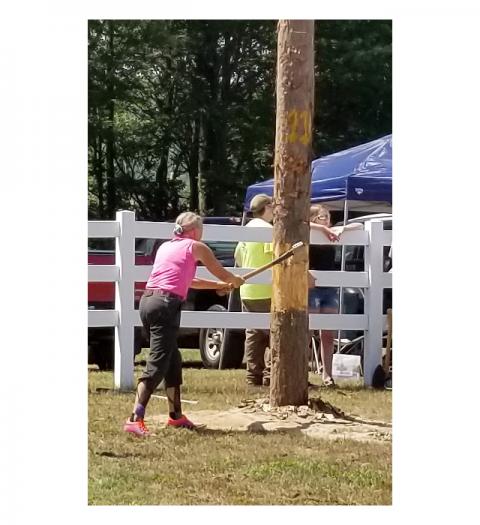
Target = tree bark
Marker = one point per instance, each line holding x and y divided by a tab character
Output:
98	173
289	320
161	186
221	163
208	68
203	164
110	142
193	165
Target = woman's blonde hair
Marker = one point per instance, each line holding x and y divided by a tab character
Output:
186	222
316	209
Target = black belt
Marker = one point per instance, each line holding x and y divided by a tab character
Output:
165	293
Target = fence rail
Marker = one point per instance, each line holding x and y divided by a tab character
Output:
125	273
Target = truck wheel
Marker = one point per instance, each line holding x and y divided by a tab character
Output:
211	341
101	354
101	347
214	341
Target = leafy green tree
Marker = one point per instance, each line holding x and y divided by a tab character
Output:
181	113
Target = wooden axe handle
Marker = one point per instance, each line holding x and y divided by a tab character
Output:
279	259
267	266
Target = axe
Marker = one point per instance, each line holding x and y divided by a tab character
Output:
267	266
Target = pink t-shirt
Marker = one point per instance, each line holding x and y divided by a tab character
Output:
174	267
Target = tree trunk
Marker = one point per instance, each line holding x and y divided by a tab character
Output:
289	321
221	164
203	165
161	187
98	173
208	67
193	165
110	142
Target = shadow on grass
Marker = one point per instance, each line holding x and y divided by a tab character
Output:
256	427
185	364
190	364
114	455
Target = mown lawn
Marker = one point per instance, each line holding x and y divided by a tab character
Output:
228	468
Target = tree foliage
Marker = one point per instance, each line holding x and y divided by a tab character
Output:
181	113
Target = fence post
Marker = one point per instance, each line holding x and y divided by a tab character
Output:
124	301
372	350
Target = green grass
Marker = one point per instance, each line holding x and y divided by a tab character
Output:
216	467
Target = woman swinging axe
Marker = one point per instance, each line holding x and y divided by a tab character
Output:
173	273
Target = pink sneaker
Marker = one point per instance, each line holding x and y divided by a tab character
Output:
183	422
136	427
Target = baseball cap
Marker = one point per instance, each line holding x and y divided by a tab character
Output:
259	202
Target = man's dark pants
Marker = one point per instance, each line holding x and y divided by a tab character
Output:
257	344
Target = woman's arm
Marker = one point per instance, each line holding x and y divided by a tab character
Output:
207	284
348	227
204	254
328	232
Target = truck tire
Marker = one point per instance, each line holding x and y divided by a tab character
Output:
101	346
100	353
233	347
214	341
211	340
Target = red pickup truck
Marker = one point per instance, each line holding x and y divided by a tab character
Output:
101	295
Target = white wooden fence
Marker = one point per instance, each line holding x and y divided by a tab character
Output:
125	229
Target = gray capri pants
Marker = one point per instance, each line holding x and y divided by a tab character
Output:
160	315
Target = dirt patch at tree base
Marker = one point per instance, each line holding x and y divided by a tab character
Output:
317	420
